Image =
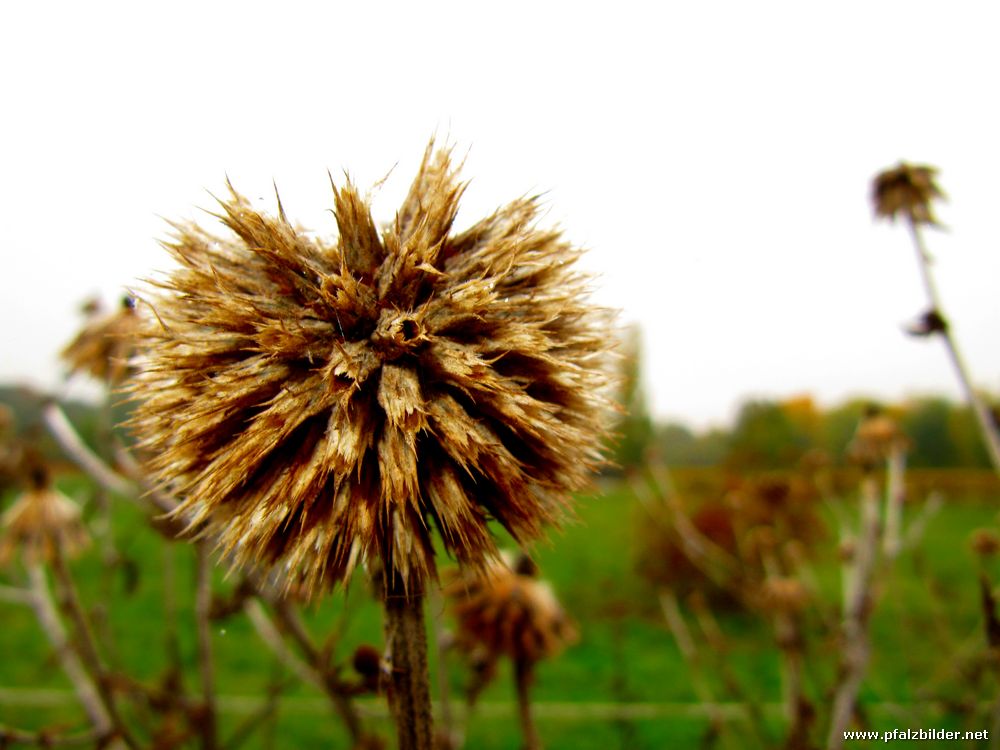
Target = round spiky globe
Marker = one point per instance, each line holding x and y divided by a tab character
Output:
907	189
104	346
317	404
504	612
42	523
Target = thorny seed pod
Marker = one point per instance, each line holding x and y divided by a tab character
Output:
505	613
40	523
104	346
320	404
906	189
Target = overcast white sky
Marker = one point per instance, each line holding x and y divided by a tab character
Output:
715	157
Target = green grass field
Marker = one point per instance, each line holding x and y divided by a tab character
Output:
928	621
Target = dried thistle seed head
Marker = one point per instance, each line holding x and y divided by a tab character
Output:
906	189
877	437
40	523
320	404
105	344
503	613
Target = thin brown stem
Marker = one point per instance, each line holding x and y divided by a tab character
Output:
206	664
85	642
895	495
524	674
856	648
292	626
71	442
987	426
11	736
69	660
409	689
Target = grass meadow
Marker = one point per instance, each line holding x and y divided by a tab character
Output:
623	684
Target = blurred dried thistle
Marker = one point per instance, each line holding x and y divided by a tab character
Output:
320	404
907	189
105	344
507	613
985	543
877	436
41	523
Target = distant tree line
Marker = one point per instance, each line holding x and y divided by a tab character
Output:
777	434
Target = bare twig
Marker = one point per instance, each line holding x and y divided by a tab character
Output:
85	643
71	442
11	736
48	618
895	495
987	426
857	608
523	677
291	624
269	633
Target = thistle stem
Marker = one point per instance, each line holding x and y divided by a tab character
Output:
409	690
857	610
206	667
48	618
984	419
292	626
86	645
523	676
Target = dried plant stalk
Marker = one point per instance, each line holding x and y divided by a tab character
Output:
409	688
87	693
909	190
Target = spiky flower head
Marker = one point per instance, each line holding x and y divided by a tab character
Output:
505	612
41	523
104	346
316	404
906	189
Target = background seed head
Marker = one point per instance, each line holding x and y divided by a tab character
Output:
320	404
41	523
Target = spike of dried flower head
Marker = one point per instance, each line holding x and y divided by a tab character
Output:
41	523
321	404
506	613
877	436
105	344
906	189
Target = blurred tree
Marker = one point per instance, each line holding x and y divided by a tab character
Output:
635	429
766	437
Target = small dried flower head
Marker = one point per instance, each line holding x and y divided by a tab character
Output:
877	436
104	346
320	404
504	613
41	523
782	594
985	543
906	189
